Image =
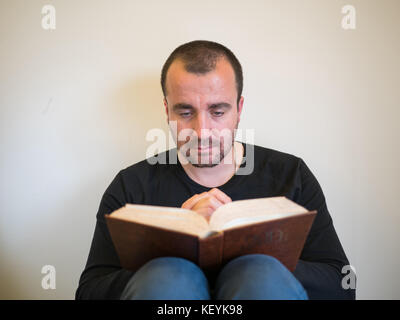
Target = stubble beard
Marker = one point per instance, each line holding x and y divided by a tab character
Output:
222	153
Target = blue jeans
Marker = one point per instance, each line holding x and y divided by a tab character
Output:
248	277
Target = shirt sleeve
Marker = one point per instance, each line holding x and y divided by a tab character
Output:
103	276
320	265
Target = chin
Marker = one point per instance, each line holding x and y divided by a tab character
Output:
205	165
195	158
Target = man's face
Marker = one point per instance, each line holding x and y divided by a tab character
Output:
205	110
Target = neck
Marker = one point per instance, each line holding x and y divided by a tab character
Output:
213	177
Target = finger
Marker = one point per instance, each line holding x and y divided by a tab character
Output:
211	201
221	196
189	203
206	212
216	202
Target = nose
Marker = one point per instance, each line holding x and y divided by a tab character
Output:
202	126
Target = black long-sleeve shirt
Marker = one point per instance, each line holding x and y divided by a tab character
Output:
166	184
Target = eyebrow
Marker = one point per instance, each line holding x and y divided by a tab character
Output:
184	106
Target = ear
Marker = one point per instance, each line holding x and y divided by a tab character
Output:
240	107
166	108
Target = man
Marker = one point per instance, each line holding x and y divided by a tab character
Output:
202	83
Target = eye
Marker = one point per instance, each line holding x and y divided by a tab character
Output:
219	113
185	114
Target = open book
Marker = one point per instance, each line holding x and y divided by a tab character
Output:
275	226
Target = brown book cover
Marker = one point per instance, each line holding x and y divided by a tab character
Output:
275	226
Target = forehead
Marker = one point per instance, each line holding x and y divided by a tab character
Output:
218	82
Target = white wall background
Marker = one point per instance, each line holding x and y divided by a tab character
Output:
77	102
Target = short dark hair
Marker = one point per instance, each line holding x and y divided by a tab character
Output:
201	56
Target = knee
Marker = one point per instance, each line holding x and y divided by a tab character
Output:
175	266
256	261
259	257
171	269
258	276
167	278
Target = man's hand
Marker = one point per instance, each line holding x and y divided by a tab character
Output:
207	202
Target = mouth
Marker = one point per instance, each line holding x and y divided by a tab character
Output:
204	148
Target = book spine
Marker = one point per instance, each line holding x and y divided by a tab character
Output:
210	253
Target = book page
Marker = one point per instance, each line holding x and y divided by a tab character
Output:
170	218
242	212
